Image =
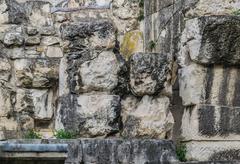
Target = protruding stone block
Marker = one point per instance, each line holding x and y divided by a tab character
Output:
211	40
148	118
36	73
149	73
89	115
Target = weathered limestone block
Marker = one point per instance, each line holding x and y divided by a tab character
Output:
149	73
36	73
206	122
90	72
213	151
39	103
8	124
93	34
100	74
16	12
216	85
6	99
25	122
30	30
209	7
148	118
50	40
89	115
13	39
54	52
211	40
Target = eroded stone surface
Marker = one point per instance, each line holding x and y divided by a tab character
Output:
148	118
211	40
89	115
148	73
36	73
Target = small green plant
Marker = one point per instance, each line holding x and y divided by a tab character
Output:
181	151
63	134
32	134
236	12
152	45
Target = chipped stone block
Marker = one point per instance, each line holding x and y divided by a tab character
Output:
54	52
216	85
47	30
31	30
98	73
149	73
206	122
100	34
148	118
39	103
211	40
213	151
13	39
89	115
25	122
36	73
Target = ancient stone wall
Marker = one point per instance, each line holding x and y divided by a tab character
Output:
80	66
202	36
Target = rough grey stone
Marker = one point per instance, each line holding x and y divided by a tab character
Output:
89	115
31	41
148	73
13	38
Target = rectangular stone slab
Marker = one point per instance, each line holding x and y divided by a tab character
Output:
206	122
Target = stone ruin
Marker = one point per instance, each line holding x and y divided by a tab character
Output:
126	76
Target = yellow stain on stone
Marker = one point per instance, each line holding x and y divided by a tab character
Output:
132	42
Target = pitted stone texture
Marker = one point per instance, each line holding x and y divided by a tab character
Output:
211	40
93	34
13	39
39	103
99	74
89	115
206	122
36	73
149	73
6	99
216	85
148	118
224	151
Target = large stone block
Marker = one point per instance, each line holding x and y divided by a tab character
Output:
216	85
223	151
211	40
206	122
148	118
93	34
149	73
38	103
36	73
89	115
98	73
